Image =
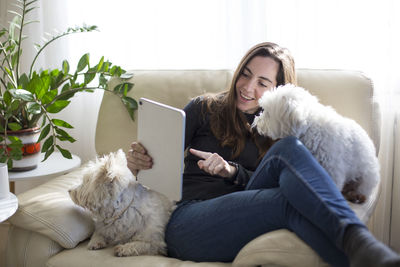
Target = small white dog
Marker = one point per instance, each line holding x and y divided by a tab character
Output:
126	214
340	145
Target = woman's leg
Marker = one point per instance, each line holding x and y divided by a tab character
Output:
216	229
311	191
301	197
307	186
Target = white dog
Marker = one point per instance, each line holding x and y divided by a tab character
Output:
126	214
340	145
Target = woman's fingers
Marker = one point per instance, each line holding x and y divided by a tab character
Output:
200	154
212	163
138	159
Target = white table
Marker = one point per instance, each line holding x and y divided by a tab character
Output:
8	206
56	164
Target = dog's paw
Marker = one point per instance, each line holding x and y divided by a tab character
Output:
125	251
137	248
96	242
354	197
350	193
96	245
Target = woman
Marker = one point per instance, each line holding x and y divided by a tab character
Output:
235	190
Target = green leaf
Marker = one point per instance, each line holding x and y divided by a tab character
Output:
23	80
42	84
9	164
83	62
8	71
89	77
102	81
116	71
64	152
66	87
7	97
14	139
22	94
48	153
106	66
44	120
54	73
14	59
64	136
34	108
14	126
123	88
62	123
57	106
49	96
15	105
100	65
130	105
39	85
65	67
45	131
47	144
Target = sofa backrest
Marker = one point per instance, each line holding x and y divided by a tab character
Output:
349	92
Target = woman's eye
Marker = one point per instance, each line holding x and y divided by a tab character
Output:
262	84
245	75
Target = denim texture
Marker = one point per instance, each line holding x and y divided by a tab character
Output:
289	189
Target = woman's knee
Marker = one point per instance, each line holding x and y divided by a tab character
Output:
286	144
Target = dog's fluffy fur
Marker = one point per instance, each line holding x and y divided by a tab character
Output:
341	146
126	214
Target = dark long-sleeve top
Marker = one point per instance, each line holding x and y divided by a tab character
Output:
198	184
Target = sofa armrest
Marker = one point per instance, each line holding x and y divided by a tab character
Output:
48	210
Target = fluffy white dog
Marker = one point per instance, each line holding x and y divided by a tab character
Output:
340	145
126	214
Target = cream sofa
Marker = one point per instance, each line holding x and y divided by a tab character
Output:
49	230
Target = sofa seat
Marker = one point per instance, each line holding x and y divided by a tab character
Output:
262	250
81	256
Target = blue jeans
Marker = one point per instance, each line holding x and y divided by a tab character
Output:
289	189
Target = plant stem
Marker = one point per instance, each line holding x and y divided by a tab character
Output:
12	79
41	49
20	40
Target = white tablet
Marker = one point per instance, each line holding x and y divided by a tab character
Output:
161	130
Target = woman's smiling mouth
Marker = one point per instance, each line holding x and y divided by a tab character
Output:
246	97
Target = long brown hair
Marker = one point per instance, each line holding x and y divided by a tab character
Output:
228	124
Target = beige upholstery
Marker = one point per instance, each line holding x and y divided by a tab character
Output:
49	230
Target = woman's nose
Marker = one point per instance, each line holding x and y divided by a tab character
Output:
250	85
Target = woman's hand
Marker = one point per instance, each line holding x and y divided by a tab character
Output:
214	164
138	159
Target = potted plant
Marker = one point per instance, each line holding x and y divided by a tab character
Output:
28	101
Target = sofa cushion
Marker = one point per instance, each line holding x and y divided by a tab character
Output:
29	249
48	210
82	257
278	248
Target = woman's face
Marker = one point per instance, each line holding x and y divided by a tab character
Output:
258	76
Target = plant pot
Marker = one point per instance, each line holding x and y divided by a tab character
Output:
30	151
